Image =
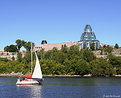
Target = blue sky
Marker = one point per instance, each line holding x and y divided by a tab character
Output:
59	20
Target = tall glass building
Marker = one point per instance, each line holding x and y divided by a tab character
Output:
88	37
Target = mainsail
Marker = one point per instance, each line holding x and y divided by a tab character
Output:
37	70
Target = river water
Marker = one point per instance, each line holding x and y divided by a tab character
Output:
63	88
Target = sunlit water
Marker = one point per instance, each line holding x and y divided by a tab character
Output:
63	88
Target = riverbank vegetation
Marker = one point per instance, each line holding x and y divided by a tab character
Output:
67	61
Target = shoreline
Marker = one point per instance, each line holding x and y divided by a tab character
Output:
54	76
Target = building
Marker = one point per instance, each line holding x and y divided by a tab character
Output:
87	38
10	55
44	42
47	47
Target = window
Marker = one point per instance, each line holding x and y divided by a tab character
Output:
84	44
97	45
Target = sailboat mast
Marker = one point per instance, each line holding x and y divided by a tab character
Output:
31	57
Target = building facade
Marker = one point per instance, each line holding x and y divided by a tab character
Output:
88	38
47	47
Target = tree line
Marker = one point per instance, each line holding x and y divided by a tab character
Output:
17	47
67	61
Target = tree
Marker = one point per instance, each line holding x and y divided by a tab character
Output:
101	67
64	48
88	55
116	46
60	57
74	50
13	58
81	67
20	43
11	48
41	53
70	66
6	48
49	54
54	50
115	61
108	49
92	46
4	59
19	56
101	53
27	57
27	46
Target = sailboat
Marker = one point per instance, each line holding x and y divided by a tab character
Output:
35	77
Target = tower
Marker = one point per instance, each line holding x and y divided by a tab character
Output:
87	38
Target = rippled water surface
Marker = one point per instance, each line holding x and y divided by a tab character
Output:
63	88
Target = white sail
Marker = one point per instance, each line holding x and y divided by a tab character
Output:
37	70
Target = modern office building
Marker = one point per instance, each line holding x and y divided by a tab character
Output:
87	38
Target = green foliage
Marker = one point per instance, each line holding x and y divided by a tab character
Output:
27	46
27	58
41	54
88	55
4	59
101	53
108	49
3	69
60	57
64	48
101	67
54	50
20	43
116	46
11	48
49	55
13	58
74	50
67	61
81	67
19	56
115	61
92	46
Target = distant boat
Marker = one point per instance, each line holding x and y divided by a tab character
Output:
35	78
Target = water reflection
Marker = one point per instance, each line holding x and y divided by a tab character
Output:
62	88
34	91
